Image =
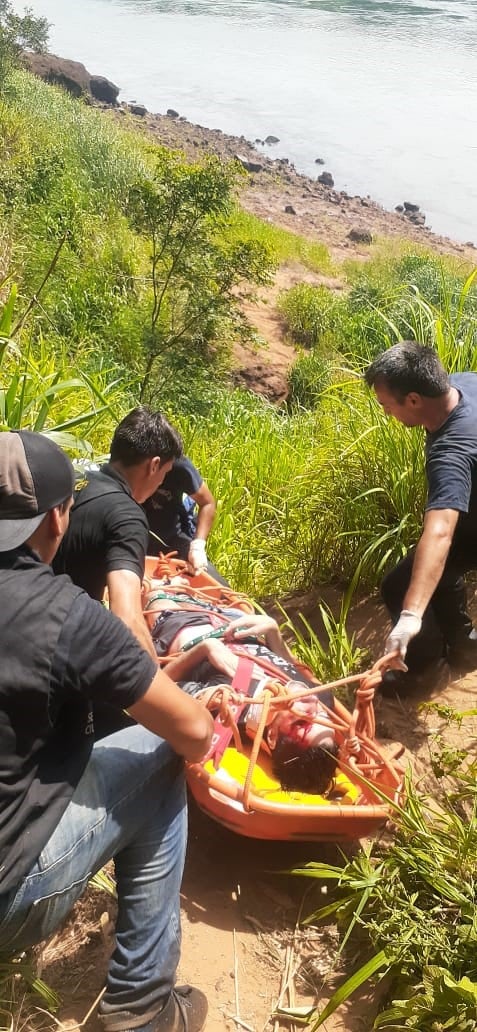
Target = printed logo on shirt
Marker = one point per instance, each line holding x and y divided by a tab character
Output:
89	729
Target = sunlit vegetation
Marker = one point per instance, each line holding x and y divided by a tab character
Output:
406	908
286	246
122	272
124	268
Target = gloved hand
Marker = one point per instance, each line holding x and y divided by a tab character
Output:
408	625
197	557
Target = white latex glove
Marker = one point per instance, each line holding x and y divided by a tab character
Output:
197	557
406	628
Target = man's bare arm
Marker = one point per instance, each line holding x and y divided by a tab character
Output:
215	652
430	558
124	589
179	718
261	626
207	509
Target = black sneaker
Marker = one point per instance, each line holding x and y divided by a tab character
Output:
184	1011
434	677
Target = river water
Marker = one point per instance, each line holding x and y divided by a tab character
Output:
384	90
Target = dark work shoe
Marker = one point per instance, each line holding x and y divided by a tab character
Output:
184	1011
435	677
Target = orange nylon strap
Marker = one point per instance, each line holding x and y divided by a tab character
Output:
224	731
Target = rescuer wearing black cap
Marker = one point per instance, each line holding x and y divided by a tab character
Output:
68	801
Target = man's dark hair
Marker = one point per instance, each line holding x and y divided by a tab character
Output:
142	434
304	770
406	367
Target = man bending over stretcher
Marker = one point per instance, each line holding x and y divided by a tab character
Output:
299	738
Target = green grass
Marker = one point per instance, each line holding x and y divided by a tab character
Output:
284	245
328	489
407	907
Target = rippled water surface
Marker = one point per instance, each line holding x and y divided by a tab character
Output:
384	91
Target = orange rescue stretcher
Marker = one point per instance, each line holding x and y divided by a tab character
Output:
234	784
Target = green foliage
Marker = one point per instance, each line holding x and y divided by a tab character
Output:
308	378
310	313
332	655
67	188
413	903
38	390
194	277
15	971
438	307
307	497
17	33
284	245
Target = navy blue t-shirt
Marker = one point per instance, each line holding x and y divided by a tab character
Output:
451	458
163	510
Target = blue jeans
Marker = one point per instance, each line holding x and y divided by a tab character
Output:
130	805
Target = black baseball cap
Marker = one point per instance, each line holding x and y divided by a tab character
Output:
35	476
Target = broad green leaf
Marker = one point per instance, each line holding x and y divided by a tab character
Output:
345	990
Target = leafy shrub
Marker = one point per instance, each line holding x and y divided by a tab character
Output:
310	313
309	376
17	33
194	276
412	904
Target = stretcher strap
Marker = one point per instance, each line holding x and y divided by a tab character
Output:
224	732
169	565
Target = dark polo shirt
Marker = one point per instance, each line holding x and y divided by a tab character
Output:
108	531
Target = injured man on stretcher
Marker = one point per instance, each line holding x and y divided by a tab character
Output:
205	643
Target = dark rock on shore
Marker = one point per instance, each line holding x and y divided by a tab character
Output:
137	109
326	179
360	236
411	213
71	76
103	89
417	218
247	164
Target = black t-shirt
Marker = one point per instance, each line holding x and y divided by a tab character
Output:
451	458
107	531
164	508
47	733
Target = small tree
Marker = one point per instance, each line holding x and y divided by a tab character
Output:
196	278
18	33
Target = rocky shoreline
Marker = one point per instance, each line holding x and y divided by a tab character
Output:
274	190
